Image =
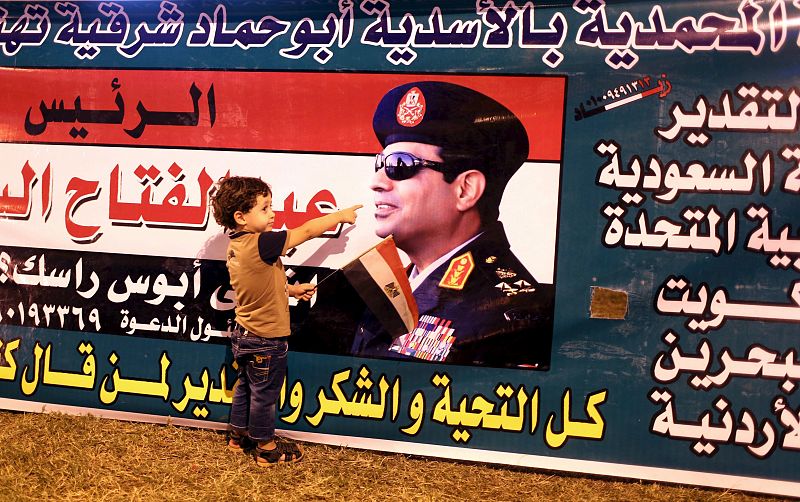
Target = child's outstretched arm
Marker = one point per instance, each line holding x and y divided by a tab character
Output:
318	226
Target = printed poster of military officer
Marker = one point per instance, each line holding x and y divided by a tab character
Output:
472	207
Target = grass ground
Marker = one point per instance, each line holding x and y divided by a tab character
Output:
69	458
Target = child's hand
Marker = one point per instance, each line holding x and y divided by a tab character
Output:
302	291
349	215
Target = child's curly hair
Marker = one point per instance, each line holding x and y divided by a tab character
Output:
237	193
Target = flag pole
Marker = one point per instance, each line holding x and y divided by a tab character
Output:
327	277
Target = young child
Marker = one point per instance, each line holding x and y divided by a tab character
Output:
259	339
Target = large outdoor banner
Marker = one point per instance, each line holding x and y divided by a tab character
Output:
623	298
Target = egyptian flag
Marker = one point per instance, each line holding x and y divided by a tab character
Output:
380	280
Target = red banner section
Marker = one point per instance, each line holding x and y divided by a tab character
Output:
241	110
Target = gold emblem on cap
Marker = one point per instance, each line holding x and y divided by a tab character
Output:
411	108
491	259
458	272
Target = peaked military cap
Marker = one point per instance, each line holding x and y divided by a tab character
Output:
474	130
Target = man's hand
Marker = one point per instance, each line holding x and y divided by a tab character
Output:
302	291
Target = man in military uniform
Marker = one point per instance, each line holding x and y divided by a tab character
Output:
448	154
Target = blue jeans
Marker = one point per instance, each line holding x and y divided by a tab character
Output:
261	368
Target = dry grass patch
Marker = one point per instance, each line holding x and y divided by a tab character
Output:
69	458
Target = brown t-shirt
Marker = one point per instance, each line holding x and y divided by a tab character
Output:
259	281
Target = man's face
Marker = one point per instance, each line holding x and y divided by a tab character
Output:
419	208
261	217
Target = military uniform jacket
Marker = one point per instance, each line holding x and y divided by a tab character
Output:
498	315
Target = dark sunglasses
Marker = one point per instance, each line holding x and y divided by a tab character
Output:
403	165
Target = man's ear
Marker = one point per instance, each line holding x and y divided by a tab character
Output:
238	217
469	186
